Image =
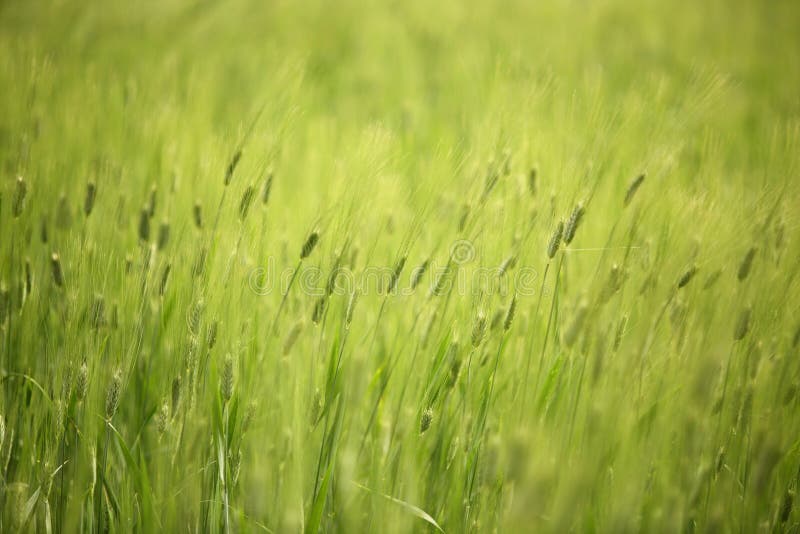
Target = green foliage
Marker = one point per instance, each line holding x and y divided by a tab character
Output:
516	266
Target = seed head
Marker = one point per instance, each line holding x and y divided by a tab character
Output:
247	200
176	394
212	334
632	188
82	382
163	235
144	225
555	240
417	275
198	214
162	418
113	394
308	246
232	166
426	420
351	305
512	310
319	309
398	269
151	202
58	273
18	200
443	282
455	365
195	316
687	276
747	263
508	264
267	189
572	223
336	271
88	202
742	324
532	185
226	379
164	278
478	330
291	338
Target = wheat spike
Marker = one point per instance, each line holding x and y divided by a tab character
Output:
197	212
398	269
742	324
144	225
18	199
58	273
267	189
163	235
88	203
687	276
512	310
232	166
555	240
82	382
226	379
113	394
247	200
746	265
418	273
151	202
426	420
632	188
308	246
572	223
478	330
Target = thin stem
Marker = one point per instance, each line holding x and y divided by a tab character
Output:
547	330
100	514
275	321
533	329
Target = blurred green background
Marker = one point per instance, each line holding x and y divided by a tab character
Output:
383	125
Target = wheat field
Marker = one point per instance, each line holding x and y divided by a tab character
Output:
373	266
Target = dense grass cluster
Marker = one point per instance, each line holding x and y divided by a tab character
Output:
399	267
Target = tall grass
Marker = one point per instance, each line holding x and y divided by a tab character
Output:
459	306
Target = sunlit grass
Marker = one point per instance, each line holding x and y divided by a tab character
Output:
399	267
